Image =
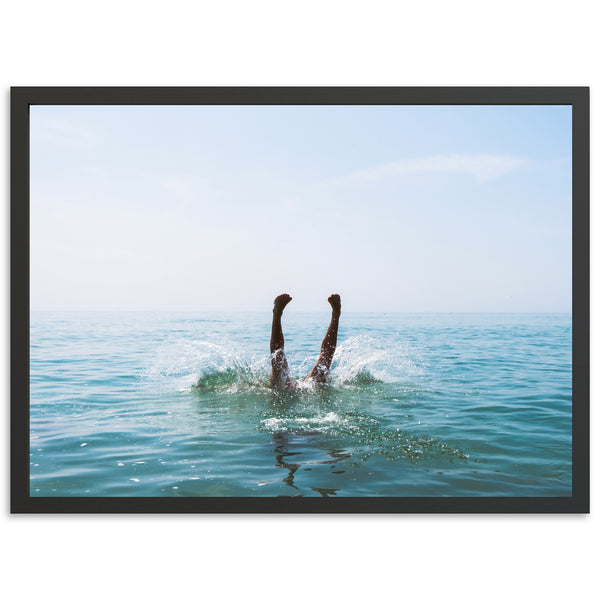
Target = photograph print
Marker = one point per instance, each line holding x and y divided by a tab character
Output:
294	305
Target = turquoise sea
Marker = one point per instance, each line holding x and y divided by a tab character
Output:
178	404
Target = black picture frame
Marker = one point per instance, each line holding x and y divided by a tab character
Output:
21	100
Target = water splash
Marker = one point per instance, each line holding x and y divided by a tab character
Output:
363	360
359	361
184	365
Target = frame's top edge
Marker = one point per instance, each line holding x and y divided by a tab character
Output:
300	95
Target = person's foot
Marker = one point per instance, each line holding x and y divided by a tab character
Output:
336	303
281	302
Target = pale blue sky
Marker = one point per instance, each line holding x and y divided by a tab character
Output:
397	208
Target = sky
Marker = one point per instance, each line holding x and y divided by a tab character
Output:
396	208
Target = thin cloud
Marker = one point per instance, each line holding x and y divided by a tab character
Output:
483	167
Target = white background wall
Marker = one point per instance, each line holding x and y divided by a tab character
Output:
514	42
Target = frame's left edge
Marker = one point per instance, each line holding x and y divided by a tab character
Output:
19	299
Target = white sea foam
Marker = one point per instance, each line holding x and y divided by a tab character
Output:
321	423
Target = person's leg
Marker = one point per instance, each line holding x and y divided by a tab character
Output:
321	368
279	366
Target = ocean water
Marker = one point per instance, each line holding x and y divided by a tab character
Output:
178	404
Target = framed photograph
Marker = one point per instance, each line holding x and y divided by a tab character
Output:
320	300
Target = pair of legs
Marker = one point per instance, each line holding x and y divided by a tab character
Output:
280	378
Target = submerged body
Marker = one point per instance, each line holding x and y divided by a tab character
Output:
280	373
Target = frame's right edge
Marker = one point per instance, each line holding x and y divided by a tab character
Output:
581	298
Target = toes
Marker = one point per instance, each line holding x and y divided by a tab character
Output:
335	301
282	300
